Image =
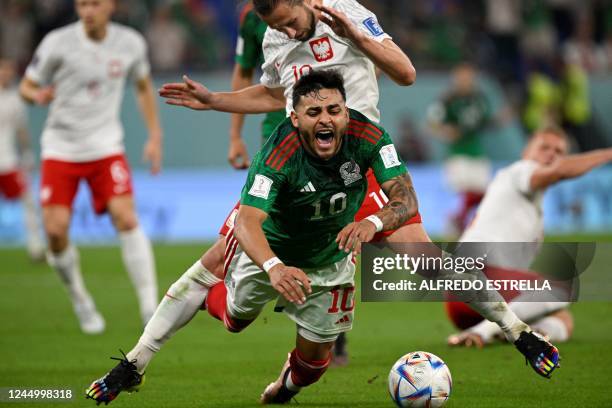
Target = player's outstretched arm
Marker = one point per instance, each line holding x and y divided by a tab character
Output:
193	95
238	155
386	55
569	167
32	92
152	152
290	282
402	206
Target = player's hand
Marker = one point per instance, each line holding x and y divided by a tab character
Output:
44	96
189	93
351	236
152	153
290	282
339	22
238	155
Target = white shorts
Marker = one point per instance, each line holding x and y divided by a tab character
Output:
465	173
327	312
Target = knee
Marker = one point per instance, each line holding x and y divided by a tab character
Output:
125	220
56	229
305	372
565	316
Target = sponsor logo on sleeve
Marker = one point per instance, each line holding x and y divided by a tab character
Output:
372	25
389	156
261	187
240	46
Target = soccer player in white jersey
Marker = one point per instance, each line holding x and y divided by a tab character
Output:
306	35
81	70
511	211
13	163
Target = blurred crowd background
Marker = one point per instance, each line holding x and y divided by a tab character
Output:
541	52
536	61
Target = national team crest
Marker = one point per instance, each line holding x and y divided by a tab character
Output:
115	68
350	172
322	49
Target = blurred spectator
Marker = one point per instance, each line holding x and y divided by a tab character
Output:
411	143
16	32
132	13
581	50
205	47
167	41
503	21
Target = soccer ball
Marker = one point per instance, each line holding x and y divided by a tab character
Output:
420	379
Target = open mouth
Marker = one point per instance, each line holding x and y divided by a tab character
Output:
324	138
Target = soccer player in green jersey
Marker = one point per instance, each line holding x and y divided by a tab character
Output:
460	118
249	55
293	241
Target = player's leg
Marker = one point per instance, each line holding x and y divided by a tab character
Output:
180	304
58	188
14	186
213	259
110	182
136	252
305	365
557	326
528	311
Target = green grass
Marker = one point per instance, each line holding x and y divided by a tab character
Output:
204	366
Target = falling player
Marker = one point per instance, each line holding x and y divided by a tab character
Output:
338	34
81	70
13	163
297	208
511	211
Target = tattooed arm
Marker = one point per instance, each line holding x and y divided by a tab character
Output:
402	206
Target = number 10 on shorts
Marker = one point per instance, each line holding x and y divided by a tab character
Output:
342	299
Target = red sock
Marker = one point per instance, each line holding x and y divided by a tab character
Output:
470	200
303	372
216	304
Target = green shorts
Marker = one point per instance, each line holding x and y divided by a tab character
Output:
327	312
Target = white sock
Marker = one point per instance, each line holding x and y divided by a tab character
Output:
67	266
553	328
290	385
138	259
35	244
502	317
525	311
177	308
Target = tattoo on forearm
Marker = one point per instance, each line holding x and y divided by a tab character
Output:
402	203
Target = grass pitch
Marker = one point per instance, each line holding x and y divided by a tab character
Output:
204	366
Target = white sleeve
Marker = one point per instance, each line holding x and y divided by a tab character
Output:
363	18
45	61
270	77
140	68
522	172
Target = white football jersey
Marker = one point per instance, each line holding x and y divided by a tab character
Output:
510	212
286	60
89	79
12	118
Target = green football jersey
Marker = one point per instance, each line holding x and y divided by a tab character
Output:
249	55
471	114
308	200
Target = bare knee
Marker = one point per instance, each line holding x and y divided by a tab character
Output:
123	214
56	221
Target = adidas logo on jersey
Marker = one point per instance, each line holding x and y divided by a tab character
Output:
308	188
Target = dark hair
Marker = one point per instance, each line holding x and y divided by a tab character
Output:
315	81
265	7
